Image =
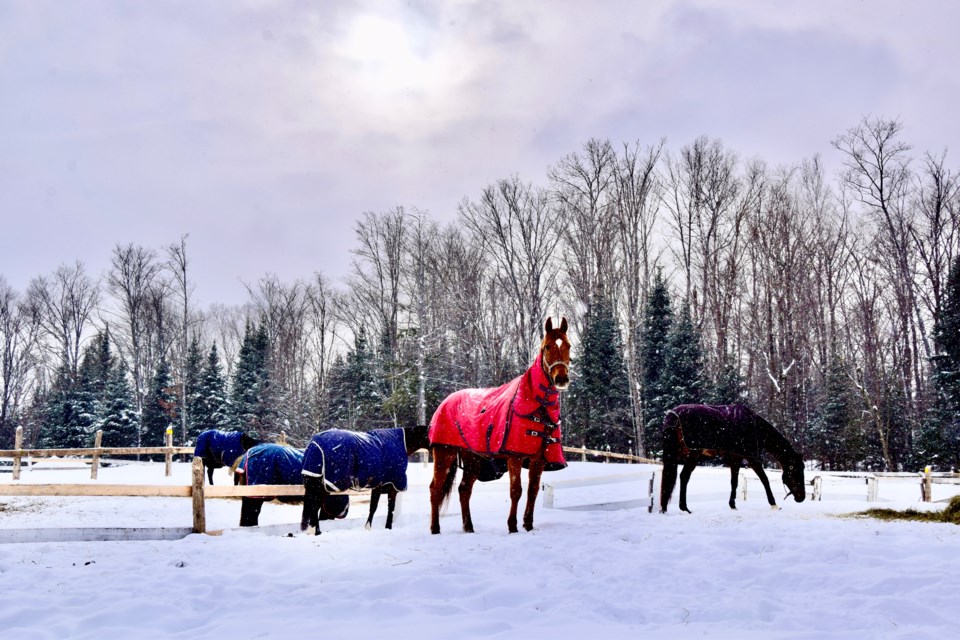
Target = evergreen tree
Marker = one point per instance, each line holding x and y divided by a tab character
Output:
64	419
356	396
682	379
729	386
119	420
159	407
836	436
657	321
599	403
193	373
938	441
210	408
249	393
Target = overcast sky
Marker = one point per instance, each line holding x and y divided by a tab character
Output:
265	129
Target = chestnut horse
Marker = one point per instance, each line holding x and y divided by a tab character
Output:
518	422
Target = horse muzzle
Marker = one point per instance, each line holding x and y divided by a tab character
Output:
561	380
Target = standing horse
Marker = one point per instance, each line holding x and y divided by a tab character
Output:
337	460
275	464
518	422
221	448
695	432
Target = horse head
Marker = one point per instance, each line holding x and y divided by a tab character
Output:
555	354
793	477
416	438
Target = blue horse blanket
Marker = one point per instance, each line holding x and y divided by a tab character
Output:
219	448
272	464
358	460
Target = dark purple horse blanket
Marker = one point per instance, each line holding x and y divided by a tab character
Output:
358	460
730	428
219	448
519	418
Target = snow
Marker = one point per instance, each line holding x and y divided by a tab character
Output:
615	569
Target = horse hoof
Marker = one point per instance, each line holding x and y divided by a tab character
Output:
687	510
774	507
527	527
367	526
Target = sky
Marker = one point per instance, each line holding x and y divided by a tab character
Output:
596	565
264	130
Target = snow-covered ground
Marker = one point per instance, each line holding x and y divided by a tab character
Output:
586	571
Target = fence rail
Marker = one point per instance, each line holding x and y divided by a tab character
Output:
94	452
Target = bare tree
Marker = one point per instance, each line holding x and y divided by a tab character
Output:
177	264
582	190
636	196
65	301
519	231
19	342
132	281
878	176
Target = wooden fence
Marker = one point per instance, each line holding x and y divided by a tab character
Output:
95	452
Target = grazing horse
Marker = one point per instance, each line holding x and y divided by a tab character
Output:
275	464
221	448
518	422
337	460
695	432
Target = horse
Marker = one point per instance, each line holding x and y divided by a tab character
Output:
734	433
517	423
338	460
276	464
221	448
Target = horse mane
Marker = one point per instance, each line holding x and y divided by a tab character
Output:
775	442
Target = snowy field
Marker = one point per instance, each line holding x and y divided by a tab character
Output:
597	563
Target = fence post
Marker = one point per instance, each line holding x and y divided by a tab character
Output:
653	478
548	496
199	513
927	484
283	438
742	483
18	445
168	456
872	488
95	463
583	456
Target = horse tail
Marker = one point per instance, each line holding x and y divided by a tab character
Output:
447	488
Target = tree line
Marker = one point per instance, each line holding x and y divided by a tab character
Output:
830	304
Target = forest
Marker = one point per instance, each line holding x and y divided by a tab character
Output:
828	303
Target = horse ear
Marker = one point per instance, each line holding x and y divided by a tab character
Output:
549	326
563	325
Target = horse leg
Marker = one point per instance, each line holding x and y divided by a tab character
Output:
667	482
250	511
444	460
466	490
758	469
685	474
734	480
533	488
514	466
391	505
209	470
374	500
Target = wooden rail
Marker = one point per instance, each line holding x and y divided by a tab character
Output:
608	455
18	452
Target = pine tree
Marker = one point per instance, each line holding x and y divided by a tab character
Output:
249	393
356	396
658	319
939	439
159	407
193	373
210	408
836	437
682	379
119	420
62	424
598	409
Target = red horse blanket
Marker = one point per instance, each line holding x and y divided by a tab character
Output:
520	418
